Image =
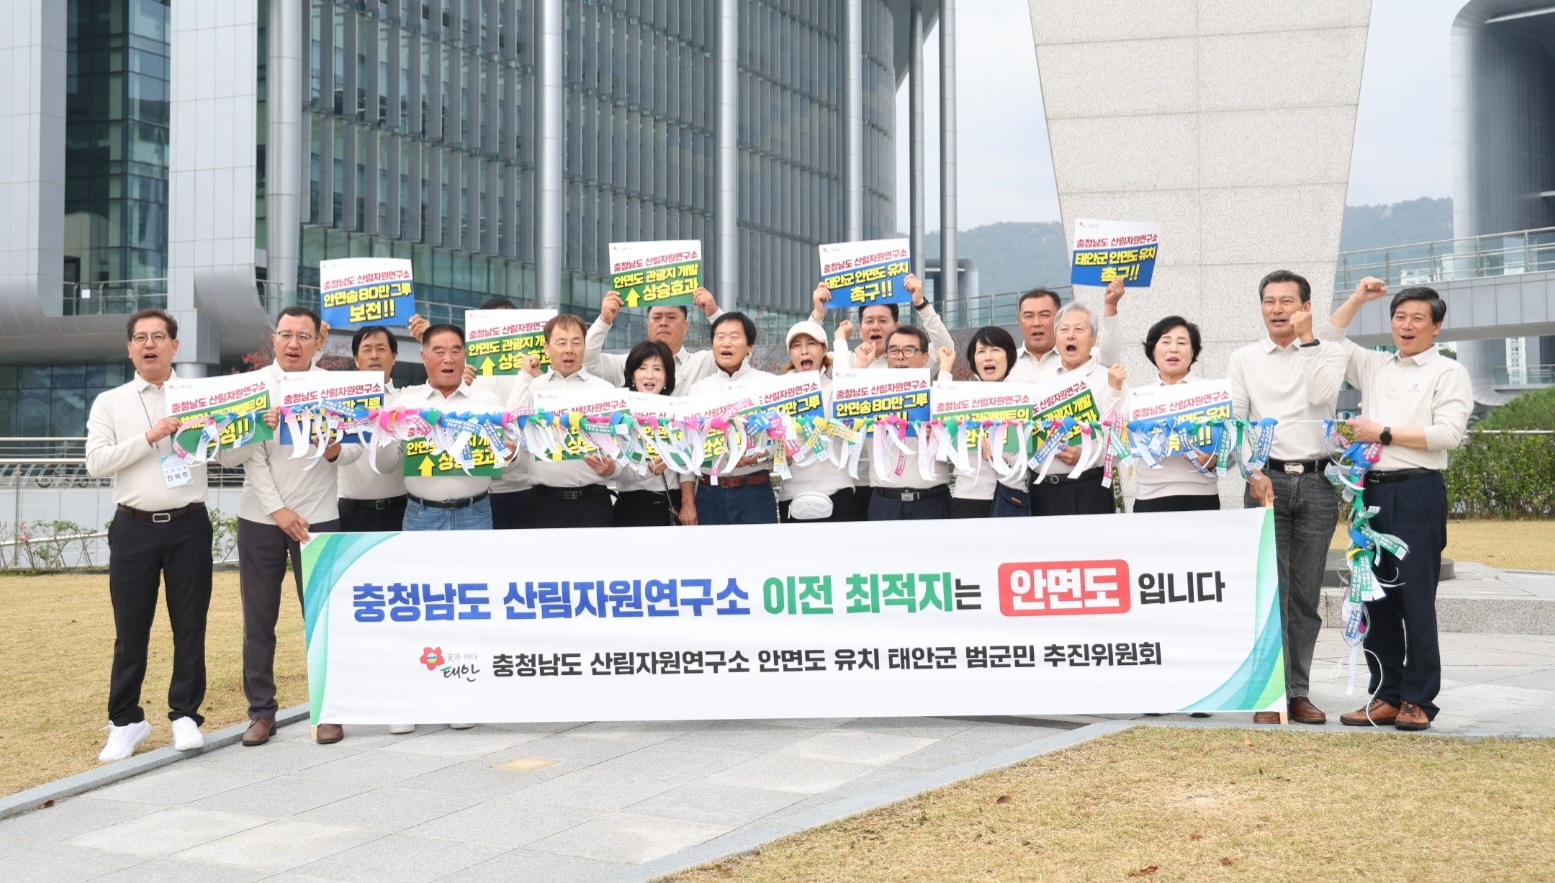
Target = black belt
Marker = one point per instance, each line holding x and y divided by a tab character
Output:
571	493
1095	472
1297	467
914	494
728	481
460	503
1383	476
378	505
162	517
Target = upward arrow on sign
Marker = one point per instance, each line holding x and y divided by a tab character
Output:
632	298
486	366
426	467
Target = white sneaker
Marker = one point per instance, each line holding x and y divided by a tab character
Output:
401	729
460	726
187	735
122	740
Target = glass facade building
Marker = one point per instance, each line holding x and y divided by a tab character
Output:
215	154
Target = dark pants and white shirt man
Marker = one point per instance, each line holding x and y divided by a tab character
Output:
565	493
666	325
1416	403
1270	379
1062	491
912	496
744	494
283	502
371	500
160	531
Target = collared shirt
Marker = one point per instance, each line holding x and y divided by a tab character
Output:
690	365
1032	368
719	382
1269	380
1426	390
439	487
274	480
557	473
116	445
358	481
1176	477
1107	398
515	475
820	476
939	336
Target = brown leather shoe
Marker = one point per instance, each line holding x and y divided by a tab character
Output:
258	732
328	734
1302	711
1412	717
1379	713
1266	717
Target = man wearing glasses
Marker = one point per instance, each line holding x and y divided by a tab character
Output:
160	531
283	502
911	496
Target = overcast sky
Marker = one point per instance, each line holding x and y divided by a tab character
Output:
1402	148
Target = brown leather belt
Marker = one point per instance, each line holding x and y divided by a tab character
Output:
754	478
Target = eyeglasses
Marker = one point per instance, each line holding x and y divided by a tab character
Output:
289	336
905	352
157	337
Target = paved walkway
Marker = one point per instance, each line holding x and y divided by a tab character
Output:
598	801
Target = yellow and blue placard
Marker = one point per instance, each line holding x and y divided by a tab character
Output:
1107	251
366	291
866	274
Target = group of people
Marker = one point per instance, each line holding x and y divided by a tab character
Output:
1416	407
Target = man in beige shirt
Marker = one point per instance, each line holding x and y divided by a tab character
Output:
744	494
372	500
160	531
1416	404
666	325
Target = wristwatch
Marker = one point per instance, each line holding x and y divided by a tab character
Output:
1387	435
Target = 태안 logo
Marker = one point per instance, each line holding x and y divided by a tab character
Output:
451	665
432	657
1060	588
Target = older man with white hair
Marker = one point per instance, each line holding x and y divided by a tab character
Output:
1061	491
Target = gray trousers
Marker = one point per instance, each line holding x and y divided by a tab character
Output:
1306	509
263	552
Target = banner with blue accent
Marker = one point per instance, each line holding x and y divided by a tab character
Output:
864	274
1106	251
366	291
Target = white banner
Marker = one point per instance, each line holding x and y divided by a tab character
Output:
1090	614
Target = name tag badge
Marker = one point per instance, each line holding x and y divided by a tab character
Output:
176	472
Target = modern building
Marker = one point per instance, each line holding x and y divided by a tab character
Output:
204	157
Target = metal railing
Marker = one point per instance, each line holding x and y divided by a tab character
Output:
116	298
1524	376
1448	260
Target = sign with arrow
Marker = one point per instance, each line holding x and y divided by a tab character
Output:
496	341
656	274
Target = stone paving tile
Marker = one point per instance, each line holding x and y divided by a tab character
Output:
808	723
754	736
71	817
178	785
876	778
376	768
595	788
280	797
478	778
671	760
388	809
167	831
280	845
795	775
274	759
923	727
715	804
849	746
402	858
530	866
8	846
168	870
444	742
505	823
63	863
628	837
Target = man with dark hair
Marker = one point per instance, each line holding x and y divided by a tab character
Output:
910	496
1416	404
1039	358
285	500
877	322
566	493
1269	379
160	531
667	325
743	495
372	500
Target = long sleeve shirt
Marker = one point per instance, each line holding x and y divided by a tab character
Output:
557	473
1107	398
116	445
690	365
274	480
1032	368
1269	380
358	481
719	382
515	476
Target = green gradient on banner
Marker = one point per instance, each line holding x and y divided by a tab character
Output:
1260	680
324	560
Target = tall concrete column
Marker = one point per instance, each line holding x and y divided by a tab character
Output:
854	115
285	173
915	144
947	152
550	226
727	215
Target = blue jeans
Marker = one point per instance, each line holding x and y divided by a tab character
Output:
748	504
1011	502
1306	509
476	516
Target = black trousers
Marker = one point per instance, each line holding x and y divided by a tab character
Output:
1180	503
1405	655
263	553
1062	495
884	507
507	509
355	518
965	508
141	555
547	507
643	509
844	507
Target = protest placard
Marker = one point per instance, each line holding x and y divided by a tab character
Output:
1107	250
232	406
366	291
321	393
971	401
1108	614
862	274
797	394
496	341
453	445
656	274
1163	409
1064	396
568	408
881	392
